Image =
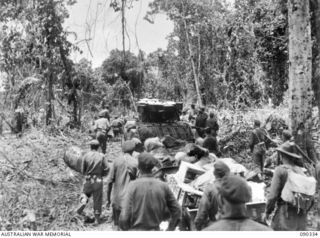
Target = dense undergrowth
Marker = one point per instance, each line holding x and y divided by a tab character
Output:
39	192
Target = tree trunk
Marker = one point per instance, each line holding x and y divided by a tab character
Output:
300	65
315	27
123	5
199	55
191	56
81	108
195	76
1	126
75	106
131	96
49	96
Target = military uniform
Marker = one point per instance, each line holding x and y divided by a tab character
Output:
148	201
123	170
211	144
258	136
213	124
94	167
201	121
235	191
209	206
101	127
192	114
287	217
239	223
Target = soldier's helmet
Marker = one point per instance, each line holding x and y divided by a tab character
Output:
104	113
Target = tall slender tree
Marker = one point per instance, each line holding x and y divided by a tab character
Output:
315	29
300	65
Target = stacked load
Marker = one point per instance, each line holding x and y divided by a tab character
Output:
194	175
170	153
202	181
73	158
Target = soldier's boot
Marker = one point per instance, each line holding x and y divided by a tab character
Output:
97	219
83	202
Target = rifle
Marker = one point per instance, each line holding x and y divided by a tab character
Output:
311	164
305	155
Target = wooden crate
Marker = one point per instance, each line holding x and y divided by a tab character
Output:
255	210
188	172
181	190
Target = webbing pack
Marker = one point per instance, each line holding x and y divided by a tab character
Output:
299	190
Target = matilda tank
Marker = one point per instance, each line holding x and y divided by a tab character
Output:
158	118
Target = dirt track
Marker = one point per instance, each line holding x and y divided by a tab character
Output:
36	181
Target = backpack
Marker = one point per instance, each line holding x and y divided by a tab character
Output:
299	190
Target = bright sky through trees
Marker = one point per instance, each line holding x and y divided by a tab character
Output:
97	22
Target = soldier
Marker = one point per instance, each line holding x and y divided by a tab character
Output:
287	217
209	203
234	193
210	142
148	201
201	122
184	117
102	127
259	143
212	123
192	113
94	167
117	125
123	170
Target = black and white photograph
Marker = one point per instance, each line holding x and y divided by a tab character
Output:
159	115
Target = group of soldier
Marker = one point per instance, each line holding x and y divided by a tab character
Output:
206	127
141	202
297	160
